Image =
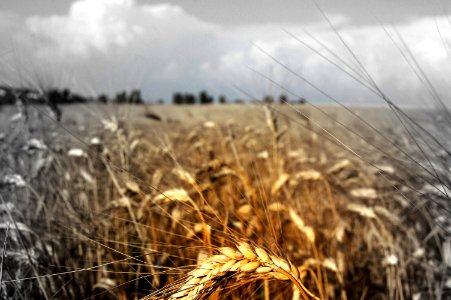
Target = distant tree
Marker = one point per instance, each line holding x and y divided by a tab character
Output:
160	101
135	97
53	96
268	99
204	98
302	100
121	97
190	99
178	99
103	99
222	99
283	99
6	96
239	101
66	96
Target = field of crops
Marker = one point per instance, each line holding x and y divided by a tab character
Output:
219	202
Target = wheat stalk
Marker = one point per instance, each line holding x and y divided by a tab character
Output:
244	262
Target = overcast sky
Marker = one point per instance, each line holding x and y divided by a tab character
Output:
103	46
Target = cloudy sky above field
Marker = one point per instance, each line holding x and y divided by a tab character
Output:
226	47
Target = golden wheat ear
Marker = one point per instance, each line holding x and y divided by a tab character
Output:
243	263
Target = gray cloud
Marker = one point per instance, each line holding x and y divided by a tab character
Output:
108	45
358	12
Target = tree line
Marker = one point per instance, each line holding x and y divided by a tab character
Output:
179	98
10	95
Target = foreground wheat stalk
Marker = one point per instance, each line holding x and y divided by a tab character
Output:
244	262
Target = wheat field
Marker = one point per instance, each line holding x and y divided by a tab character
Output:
249	200
246	201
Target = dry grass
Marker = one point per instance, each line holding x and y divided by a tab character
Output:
139	216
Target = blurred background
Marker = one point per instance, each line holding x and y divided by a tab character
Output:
107	46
